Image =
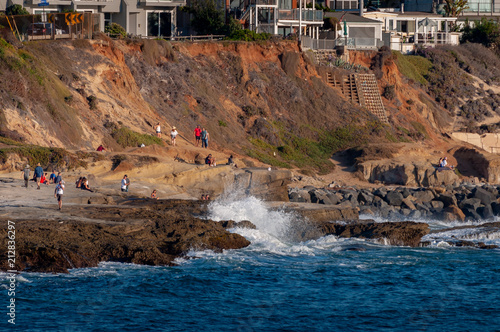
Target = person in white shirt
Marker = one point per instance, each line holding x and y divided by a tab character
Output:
58	193
173	135
125	183
158	130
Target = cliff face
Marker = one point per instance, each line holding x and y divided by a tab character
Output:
250	96
64	93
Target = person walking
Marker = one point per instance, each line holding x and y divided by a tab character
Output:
205	136
125	183
38	175
173	135
58	193
197	135
26	175
158	130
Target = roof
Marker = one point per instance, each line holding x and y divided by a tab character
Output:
351	18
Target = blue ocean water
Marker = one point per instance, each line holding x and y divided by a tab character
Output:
276	284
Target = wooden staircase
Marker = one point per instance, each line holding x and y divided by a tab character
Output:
371	99
361	89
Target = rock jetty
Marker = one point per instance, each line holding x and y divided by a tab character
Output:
463	202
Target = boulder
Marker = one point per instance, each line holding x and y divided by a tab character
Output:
415	214
485	196
405	233
394	198
447	198
485	211
496	208
268	185
471	214
317	196
437	205
365	197
408	203
423	195
334	199
389	171
298	196
379	203
473	203
380	192
453	213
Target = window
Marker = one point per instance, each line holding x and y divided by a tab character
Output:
107	19
285	4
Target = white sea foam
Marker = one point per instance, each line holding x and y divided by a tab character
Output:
276	229
237	208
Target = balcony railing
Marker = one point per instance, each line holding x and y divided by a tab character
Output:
350	43
307	15
262	2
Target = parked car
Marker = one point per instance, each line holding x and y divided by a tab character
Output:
39	29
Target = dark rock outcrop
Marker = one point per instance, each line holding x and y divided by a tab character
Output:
142	232
405	233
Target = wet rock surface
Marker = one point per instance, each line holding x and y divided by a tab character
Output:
404	233
142	232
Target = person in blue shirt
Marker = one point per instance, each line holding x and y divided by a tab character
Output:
52	178
38	174
205	136
58	177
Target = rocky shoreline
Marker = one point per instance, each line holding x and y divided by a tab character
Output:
140	231
100	227
460	203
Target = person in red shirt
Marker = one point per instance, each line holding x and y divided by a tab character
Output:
197	135
43	179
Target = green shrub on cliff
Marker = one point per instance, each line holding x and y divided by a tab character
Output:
115	30
306	153
486	32
413	67
126	137
248	35
55	157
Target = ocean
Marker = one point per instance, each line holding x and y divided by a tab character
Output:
276	284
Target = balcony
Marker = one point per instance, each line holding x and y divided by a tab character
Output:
262	3
164	3
35	3
309	15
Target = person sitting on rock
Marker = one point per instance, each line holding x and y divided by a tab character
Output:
78	182
43	179
101	148
153	194
85	185
52	177
444	164
208	159
230	160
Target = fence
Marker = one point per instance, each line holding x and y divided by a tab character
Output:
350	43
51	25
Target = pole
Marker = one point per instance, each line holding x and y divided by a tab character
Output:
300	19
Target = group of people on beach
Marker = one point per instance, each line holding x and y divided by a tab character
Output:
41	178
201	134
83	184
